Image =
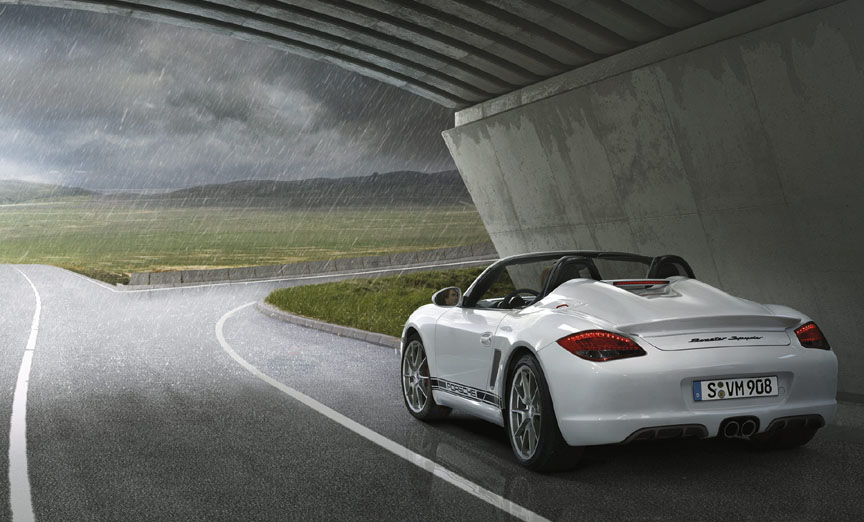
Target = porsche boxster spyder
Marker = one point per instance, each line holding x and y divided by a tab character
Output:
580	348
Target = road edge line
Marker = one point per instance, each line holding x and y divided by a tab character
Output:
20	498
397	449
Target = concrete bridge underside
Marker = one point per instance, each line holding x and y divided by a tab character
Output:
726	131
454	52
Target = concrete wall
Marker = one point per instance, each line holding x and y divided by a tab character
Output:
745	156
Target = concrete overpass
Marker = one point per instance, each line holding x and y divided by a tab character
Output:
454	52
727	131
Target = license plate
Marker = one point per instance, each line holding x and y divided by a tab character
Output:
722	389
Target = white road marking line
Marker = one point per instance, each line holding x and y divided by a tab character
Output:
19	479
397	449
298	278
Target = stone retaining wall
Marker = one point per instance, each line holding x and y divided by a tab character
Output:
248	273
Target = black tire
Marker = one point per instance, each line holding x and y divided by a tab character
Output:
787	438
417	385
551	452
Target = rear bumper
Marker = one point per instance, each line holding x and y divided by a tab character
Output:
606	403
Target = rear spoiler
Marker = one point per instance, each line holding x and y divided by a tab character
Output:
711	323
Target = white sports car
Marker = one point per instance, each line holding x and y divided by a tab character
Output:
572	349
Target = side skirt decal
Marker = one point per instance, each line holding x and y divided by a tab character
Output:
467	392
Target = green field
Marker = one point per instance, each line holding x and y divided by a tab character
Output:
108	239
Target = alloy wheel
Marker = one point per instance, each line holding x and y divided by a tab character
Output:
415	377
524	412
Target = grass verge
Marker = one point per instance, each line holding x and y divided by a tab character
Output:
112	278
379	305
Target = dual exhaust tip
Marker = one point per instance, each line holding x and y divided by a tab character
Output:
739	428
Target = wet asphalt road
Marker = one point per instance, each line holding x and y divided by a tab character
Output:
135	412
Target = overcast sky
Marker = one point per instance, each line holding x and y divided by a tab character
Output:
108	102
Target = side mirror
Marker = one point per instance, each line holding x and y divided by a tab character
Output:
450	296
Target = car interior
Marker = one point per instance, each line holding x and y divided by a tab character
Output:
524	281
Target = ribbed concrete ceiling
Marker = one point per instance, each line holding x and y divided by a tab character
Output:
454	52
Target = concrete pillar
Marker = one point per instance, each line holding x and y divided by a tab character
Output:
745	156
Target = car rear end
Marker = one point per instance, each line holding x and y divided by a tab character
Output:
735	376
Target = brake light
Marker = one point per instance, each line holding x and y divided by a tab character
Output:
811	336
641	283
599	346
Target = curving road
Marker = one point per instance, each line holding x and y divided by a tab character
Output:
139	409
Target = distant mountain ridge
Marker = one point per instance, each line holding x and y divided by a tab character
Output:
394	188
15	191
402	188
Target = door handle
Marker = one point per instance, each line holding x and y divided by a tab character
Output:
486	339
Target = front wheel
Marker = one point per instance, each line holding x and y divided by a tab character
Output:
416	383
531	424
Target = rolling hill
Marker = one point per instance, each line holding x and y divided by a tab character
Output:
400	189
404	188
14	191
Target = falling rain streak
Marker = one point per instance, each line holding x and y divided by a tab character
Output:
112	103
161	147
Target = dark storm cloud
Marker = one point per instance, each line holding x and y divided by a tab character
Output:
112	102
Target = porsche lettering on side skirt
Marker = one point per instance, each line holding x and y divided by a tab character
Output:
466	392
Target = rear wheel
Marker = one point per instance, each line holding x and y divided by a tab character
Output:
531	424
416	384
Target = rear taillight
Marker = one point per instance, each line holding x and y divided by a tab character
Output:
599	345
810	336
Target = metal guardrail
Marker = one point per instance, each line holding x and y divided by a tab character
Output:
251	273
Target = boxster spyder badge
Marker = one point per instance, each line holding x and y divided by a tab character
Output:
732	338
573	349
